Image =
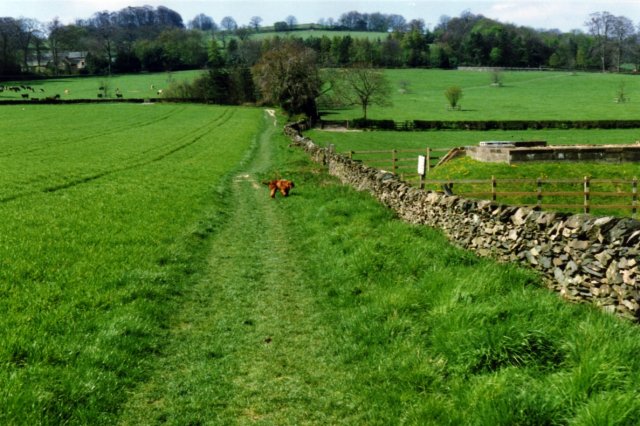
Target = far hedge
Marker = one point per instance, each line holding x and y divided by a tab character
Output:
422	125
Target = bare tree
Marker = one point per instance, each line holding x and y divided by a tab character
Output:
622	35
600	25
55	29
228	24
29	31
255	23
365	86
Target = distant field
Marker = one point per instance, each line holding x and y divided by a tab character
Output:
103	208
530	95
321	33
355	141
131	86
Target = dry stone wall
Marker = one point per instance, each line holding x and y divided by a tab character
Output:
585	258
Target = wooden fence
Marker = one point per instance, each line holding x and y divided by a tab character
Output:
603	194
397	162
572	194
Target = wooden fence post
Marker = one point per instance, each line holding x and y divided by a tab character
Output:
394	161
634	200
351	155
586	194
428	166
539	193
494	184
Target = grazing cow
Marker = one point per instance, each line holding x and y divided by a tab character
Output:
42	90
99	95
66	91
57	97
159	92
25	96
118	95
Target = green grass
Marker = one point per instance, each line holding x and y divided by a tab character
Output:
138	86
533	95
136	291
312	33
322	308
104	212
362	141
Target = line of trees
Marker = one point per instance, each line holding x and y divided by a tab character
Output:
156	39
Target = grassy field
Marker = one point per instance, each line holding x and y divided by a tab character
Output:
361	141
533	95
469	169
147	278
308	33
139	86
137	292
322	308
104	210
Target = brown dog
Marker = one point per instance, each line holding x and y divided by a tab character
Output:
284	186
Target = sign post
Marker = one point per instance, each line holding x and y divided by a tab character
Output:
422	168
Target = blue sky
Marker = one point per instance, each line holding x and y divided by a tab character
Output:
565	15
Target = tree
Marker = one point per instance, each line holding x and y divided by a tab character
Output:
287	75
453	95
243	33
622	34
29	31
365	86
600	25
228	24
202	22
9	32
280	26
255	23
291	21
55	34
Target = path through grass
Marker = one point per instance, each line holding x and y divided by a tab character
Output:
322	308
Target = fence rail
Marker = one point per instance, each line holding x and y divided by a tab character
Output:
396	162
540	191
577	194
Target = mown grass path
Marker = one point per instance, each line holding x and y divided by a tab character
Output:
247	344
323	308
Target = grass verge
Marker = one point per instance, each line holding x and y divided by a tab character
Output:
322	308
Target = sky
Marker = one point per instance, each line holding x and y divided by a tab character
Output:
565	15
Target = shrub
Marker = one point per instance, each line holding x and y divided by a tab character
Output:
453	95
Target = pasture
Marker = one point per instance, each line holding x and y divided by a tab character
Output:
360	141
465	169
137	86
104	210
532	95
147	278
314	33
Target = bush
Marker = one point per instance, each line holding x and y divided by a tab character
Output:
453	95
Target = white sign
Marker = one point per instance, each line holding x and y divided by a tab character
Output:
422	164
